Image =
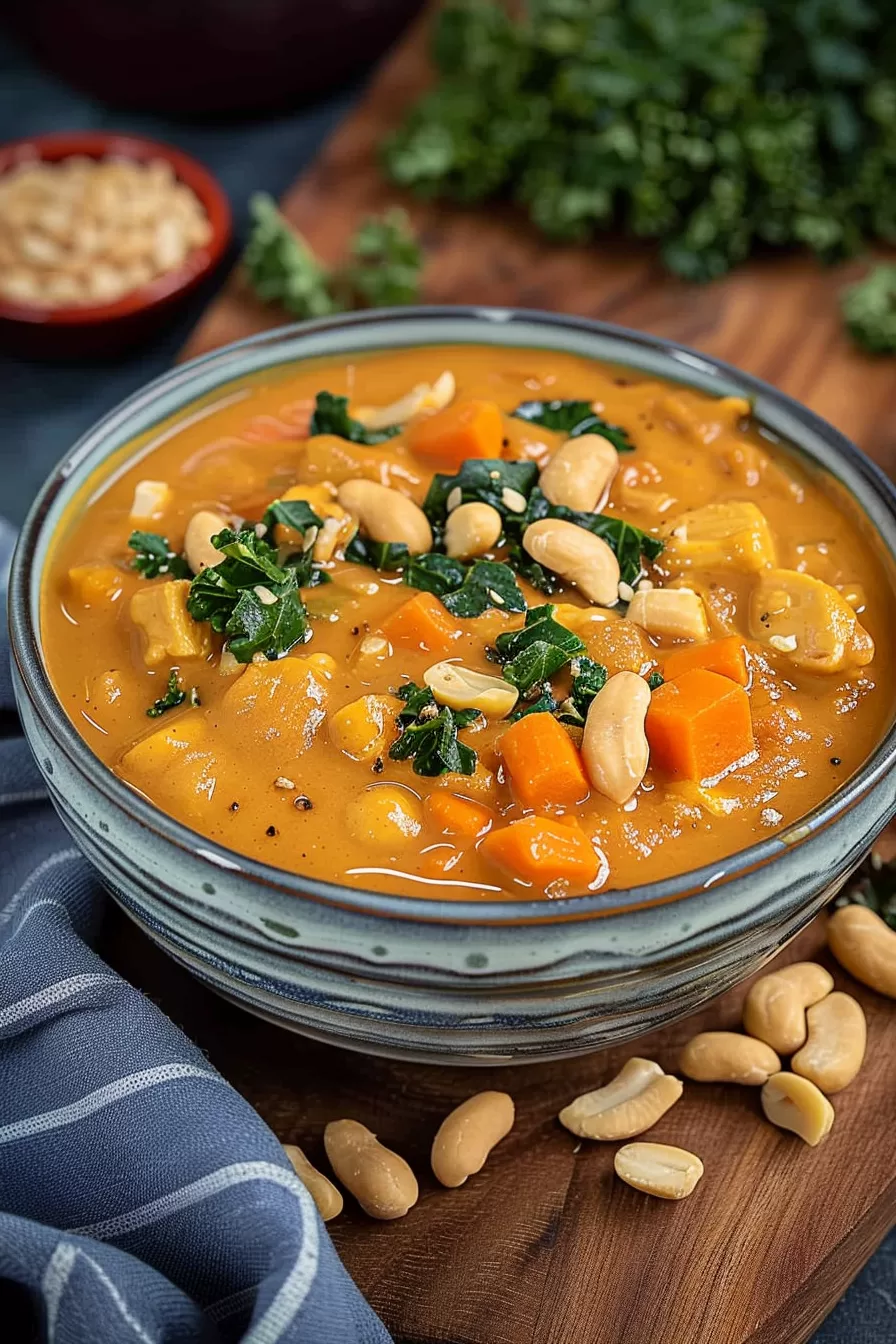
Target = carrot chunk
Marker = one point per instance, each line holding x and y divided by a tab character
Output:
422	623
542	849
457	816
464	429
544	766
725	656
699	725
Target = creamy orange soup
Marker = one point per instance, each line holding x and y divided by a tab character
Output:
438	663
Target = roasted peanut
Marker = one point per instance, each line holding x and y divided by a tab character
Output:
461	688
865	946
775	1008
676	612
422	397
793	1103
386	515
636	1098
614	744
577	555
580	472
658	1169
198	548
472	529
728	1057
324	1193
380	1180
466	1136
835	1047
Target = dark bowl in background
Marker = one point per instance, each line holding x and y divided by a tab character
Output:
206	56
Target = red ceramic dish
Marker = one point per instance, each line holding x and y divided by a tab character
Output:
86	329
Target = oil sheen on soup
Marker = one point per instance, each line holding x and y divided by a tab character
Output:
472	623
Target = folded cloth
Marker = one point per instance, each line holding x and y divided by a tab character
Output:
141	1198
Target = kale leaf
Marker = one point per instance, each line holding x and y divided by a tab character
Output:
869	310
153	556
271	624
434	573
390	556
588	677
249	597
572	418
485	480
545	704
330	416
173	697
487	583
531	656
656	680
294	513
429	737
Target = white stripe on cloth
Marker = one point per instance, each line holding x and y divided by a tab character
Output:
53	994
104	1096
61	856
295	1287
55	1280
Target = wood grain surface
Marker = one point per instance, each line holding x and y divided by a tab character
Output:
545	1246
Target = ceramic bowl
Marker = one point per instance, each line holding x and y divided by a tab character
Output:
88	329
439	980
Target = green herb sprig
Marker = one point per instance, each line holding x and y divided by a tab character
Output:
173	697
153	557
869	310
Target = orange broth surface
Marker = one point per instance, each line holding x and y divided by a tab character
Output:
264	764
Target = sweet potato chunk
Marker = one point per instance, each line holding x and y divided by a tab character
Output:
278	705
92	584
808	622
699	726
171	633
181	756
729	535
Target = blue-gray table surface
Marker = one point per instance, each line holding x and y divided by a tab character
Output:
44	408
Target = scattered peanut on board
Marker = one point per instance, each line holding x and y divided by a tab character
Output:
794	1011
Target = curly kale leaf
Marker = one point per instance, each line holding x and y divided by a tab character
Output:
153	557
429	734
573	418
330	416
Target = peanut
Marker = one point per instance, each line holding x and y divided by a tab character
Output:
676	612
422	397
324	1193
577	555
386	515
658	1169
380	1180
466	1136
775	1008
793	1103
461	688
835	1048
198	548
865	946
634	1101
472	529
580	472
728	1057
614	744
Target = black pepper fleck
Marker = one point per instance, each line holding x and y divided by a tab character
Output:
378	766
356	629
302	802
835	760
234	807
271	830
505	443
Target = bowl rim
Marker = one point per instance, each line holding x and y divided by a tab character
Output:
199	262
418	909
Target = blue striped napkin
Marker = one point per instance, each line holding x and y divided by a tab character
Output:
141	1198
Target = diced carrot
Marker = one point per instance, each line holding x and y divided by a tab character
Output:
699	725
725	656
542	849
544	766
452	815
464	429
422	623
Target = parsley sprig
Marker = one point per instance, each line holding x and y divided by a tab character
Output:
429	734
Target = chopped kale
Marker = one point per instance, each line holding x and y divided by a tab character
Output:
482	479
531	656
429	737
588	677
869	310
655	681
390	556
153	556
573	418
434	573
295	513
487	583
331	416
173	697
250	598
545	704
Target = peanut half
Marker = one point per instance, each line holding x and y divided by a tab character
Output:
198	548
793	1103
380	1180
580	472
324	1193
658	1169
472	529
865	946
614	743
577	555
728	1057
636	1098
466	1136
835	1048
386	515
462	688
775	1008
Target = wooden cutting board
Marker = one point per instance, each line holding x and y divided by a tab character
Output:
545	1246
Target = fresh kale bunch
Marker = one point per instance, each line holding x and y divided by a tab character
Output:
715	128
869	310
383	268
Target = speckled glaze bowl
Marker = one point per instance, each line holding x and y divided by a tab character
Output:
450	981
